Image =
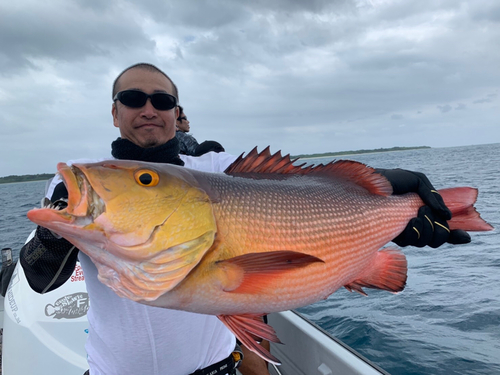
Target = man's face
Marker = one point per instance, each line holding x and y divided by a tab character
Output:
183	123
145	126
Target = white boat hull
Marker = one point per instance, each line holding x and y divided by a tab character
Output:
309	350
44	334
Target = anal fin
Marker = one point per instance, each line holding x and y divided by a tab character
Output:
387	272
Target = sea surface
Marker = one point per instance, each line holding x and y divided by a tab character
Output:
446	321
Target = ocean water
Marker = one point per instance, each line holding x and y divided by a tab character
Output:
446	321
16	199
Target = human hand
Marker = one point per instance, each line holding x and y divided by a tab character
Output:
429	228
252	364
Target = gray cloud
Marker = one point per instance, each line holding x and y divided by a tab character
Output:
484	100
251	73
63	31
445	108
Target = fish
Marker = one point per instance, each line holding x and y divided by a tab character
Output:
266	235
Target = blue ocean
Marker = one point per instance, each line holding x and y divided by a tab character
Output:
446	321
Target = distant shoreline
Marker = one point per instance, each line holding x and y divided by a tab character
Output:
46	176
356	152
25	178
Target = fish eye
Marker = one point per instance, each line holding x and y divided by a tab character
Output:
146	177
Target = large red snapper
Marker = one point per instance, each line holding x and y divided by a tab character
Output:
265	236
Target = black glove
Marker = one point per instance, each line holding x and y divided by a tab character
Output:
47	261
429	228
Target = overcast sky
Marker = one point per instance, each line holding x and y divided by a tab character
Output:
304	76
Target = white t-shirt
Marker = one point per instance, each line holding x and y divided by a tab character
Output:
126	337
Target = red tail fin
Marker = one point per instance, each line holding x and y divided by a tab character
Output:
461	201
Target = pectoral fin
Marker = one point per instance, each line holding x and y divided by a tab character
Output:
250	273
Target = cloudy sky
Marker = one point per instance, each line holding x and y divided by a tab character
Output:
303	76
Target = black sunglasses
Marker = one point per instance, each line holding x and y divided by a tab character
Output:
182	118
137	99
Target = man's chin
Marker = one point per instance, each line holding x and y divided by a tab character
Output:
153	141
150	144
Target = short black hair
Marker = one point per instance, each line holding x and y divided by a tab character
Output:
148	67
181	112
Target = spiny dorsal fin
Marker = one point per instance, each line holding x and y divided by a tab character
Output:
261	164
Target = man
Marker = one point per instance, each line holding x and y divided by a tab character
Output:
187	143
126	337
182	122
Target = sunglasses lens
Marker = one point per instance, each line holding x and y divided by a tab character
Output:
133	98
163	102
137	99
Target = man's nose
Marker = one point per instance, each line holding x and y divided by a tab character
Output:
148	110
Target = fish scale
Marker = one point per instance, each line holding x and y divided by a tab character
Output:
334	240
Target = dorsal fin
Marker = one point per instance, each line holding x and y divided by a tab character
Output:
258	165
358	173
264	162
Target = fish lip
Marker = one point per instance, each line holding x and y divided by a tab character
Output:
69	180
82	201
67	212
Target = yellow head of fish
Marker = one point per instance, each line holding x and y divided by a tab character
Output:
145	225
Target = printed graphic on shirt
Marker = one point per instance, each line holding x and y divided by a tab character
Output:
71	306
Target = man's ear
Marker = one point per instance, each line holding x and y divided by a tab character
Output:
177	114
114	113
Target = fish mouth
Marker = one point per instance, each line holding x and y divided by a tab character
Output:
82	206
83	201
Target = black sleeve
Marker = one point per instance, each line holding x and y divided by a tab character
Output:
48	261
